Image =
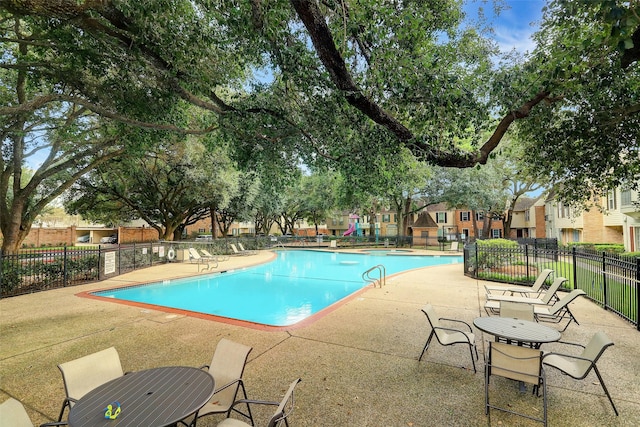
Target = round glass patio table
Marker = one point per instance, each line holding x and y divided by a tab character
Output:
522	331
152	398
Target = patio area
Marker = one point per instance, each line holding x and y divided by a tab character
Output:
358	363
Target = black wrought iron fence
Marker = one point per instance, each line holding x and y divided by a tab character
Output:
609	279
34	270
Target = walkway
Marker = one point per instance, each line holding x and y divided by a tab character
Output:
358	363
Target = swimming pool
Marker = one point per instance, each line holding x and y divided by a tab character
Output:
293	287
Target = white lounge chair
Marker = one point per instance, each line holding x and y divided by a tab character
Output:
493	303
536	288
248	252
194	256
558	311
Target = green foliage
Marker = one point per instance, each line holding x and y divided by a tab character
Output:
495	253
601	247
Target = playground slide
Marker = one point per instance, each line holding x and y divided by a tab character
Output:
350	230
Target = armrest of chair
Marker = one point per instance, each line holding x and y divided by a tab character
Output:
203	367
239	380
61	423
254	402
66	403
456	321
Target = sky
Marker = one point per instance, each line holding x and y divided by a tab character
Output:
515	25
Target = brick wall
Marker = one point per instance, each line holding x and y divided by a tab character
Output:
137	234
50	236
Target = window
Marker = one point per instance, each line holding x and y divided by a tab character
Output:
465	233
576	235
611	197
465	216
479	216
625	198
424	234
386	217
527	215
496	233
441	217
200	230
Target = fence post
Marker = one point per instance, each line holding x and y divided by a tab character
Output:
575	266
64	267
638	293
604	281
526	257
99	262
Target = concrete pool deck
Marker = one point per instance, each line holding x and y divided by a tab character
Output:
358	363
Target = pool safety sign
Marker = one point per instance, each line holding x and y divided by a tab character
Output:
109	262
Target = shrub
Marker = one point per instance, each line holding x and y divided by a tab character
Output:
496	253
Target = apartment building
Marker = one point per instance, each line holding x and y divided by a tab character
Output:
614	219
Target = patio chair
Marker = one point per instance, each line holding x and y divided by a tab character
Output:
454	247
82	375
246	251
579	366
226	368
493	301
517	310
558	311
194	256
13	414
533	291
519	364
284	409
448	336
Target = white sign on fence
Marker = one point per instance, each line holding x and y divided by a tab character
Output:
109	262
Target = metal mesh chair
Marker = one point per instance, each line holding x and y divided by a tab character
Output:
13	414
284	409
82	375
579	366
227	367
519	364
448	336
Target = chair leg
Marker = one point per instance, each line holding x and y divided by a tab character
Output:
426	346
604	387
471	352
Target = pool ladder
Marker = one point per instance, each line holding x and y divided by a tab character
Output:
382	275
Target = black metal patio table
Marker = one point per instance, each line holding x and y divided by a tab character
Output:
521	331
152	398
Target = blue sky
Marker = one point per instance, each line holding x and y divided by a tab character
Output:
515	25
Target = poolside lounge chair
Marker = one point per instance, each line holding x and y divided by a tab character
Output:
82	375
13	414
284	409
248	252
227	367
516	363
236	251
218	258
194	256
558	311
536	288
579	366
448	336
493	303
454	247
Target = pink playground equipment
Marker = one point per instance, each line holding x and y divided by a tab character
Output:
353	218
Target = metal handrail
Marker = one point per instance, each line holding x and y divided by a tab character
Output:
382	280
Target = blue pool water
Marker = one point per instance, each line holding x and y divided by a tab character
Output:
296	285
